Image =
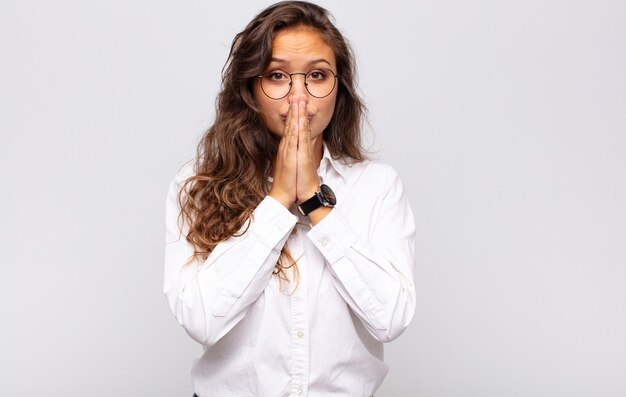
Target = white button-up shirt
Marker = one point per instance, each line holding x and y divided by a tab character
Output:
321	335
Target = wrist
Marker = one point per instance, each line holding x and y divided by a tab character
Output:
317	215
306	194
285	201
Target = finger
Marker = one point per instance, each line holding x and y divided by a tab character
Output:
304	138
292	136
288	121
303	123
286	128
287	131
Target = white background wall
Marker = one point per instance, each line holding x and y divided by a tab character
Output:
507	121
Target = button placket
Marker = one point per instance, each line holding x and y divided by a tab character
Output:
299	323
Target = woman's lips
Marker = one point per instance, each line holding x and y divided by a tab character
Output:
283	118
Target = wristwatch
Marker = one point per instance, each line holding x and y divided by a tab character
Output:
323	197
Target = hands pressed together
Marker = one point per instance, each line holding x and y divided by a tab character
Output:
295	169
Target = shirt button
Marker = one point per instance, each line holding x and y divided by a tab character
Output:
324	241
300	334
299	390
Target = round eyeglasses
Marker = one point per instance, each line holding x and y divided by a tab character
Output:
276	84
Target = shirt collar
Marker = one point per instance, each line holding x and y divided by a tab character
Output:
340	165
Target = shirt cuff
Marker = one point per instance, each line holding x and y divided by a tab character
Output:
271	222
333	236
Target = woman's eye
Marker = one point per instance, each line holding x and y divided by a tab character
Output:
317	75
276	75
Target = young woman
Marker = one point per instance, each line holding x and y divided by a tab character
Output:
289	255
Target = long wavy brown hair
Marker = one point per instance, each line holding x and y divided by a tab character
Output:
236	154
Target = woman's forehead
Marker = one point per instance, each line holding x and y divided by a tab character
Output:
301	46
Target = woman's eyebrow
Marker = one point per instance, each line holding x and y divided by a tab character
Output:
311	62
318	61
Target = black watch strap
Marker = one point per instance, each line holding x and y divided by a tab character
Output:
311	204
323	197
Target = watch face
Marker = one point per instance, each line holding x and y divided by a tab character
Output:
328	194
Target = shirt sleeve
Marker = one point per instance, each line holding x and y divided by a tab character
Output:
208	299
374	274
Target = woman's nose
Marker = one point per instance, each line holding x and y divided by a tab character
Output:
298	85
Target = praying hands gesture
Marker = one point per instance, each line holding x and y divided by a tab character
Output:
295	174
